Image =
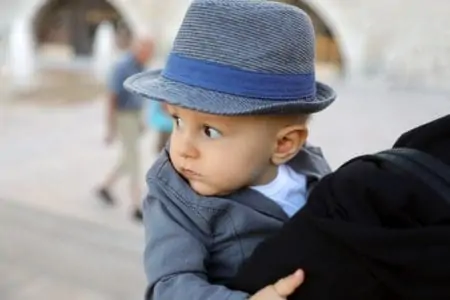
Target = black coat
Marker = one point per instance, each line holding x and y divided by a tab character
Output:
368	231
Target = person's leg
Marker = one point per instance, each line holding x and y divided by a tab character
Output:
117	172
132	161
135	185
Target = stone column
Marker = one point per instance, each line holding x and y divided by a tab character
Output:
104	50
21	54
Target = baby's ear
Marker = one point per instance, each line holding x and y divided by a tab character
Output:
289	141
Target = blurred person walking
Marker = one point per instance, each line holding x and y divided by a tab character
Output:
124	122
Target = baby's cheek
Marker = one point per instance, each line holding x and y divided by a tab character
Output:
236	176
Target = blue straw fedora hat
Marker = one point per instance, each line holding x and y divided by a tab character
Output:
239	57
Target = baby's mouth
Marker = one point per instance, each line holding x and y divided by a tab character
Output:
189	174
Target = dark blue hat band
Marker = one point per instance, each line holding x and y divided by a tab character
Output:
231	80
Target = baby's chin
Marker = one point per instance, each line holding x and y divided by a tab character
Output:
207	190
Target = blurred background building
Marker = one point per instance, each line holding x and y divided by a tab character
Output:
403	42
388	60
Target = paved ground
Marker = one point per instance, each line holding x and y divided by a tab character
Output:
48	257
58	242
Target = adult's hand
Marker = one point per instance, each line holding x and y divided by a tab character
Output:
282	288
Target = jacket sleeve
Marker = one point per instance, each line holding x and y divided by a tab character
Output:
174	258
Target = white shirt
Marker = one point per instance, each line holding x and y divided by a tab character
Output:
288	190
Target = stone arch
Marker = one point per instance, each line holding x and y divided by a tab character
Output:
126	10
74	22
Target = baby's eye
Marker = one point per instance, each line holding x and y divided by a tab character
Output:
178	121
212	133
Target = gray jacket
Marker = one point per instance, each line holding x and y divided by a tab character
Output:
195	243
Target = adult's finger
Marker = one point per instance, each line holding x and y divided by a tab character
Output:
286	286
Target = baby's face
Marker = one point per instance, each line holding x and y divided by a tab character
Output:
218	155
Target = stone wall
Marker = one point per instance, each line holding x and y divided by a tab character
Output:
404	42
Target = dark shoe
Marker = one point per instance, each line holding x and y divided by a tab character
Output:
137	215
105	196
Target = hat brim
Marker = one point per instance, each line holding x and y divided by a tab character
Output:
152	85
